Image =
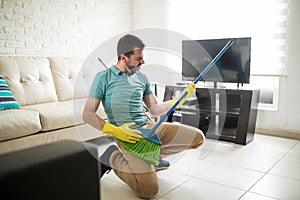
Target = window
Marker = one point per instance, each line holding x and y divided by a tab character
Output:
266	22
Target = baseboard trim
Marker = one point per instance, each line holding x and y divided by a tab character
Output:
279	133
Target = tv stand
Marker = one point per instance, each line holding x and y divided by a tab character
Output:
238	85
222	114
215	85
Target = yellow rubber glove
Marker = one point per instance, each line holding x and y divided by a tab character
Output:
191	90
123	132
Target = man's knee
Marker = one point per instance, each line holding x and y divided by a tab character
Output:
147	190
198	139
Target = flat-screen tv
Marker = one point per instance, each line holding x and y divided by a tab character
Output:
232	67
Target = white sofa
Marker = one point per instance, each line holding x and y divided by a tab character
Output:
51	92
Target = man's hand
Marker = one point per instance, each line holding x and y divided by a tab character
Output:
123	132
191	90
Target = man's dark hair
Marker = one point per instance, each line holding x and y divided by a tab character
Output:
127	43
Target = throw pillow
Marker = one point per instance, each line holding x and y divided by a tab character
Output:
7	100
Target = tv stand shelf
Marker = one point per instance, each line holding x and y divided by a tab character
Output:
214	112
223	114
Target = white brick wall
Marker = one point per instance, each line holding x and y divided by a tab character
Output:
60	27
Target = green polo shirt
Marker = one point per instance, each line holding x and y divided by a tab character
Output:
121	95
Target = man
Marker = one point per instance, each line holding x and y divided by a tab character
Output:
124	90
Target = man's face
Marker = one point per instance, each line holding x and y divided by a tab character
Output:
135	61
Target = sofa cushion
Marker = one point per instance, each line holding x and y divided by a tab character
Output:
66	72
56	115
29	79
17	123
69	133
7	100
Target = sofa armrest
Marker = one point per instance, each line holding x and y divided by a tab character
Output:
60	170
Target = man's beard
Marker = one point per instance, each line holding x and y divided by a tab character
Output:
132	69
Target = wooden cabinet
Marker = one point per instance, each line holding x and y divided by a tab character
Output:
223	114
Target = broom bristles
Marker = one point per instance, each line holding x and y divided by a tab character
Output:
144	149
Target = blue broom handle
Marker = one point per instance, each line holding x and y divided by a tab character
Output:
209	66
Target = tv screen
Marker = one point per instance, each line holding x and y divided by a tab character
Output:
232	67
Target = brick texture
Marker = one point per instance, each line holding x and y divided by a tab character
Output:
60	27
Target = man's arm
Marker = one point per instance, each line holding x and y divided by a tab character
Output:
122	132
154	107
158	109
89	114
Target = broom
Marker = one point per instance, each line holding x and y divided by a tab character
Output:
148	148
